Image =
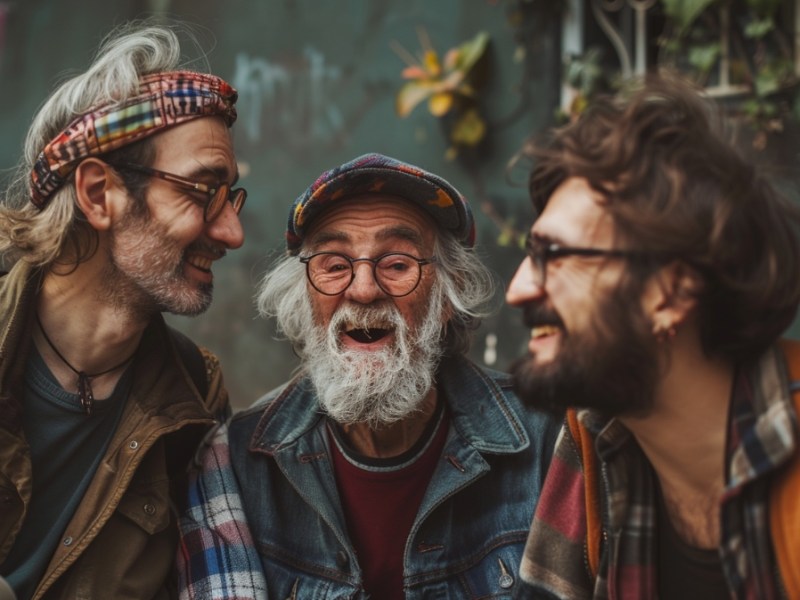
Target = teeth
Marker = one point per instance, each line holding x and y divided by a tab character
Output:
543	330
200	262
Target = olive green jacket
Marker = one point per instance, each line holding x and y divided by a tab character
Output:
122	539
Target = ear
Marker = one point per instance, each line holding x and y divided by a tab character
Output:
99	192
670	296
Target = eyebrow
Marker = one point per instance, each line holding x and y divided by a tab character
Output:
401	232
390	233
220	172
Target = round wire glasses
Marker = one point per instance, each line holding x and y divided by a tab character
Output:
396	273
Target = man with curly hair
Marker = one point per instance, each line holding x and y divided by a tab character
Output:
661	270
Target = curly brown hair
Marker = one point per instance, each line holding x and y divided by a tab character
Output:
677	188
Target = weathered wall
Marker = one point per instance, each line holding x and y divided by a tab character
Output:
317	80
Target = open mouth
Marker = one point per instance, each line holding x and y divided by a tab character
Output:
541	331
369	335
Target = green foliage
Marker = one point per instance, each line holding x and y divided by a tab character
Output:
758	28
684	12
760	57
585	73
704	57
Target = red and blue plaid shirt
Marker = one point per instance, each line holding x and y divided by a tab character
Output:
762	436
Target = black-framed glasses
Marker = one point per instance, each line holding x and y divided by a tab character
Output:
217	195
396	273
541	251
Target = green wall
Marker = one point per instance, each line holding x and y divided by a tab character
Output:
317	80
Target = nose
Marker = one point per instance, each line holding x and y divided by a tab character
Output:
524	288
363	289
227	228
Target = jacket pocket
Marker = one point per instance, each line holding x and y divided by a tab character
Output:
147	505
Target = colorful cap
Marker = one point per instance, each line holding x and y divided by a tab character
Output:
375	173
163	100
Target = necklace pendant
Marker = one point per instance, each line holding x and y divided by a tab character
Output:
85	392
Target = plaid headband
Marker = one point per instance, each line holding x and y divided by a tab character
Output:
375	173
163	100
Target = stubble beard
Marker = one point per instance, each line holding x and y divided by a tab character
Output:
377	387
145	272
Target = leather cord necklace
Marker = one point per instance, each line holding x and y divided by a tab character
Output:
84	384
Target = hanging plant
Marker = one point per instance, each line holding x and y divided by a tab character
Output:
449	86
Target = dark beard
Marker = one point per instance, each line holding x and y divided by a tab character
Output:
612	368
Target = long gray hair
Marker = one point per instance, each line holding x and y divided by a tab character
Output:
467	285
40	236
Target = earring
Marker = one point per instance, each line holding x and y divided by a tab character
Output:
664	332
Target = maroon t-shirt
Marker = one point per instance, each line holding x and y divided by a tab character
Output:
380	499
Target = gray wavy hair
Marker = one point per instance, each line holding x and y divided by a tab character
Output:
467	285
127	53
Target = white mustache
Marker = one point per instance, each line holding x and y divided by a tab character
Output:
350	316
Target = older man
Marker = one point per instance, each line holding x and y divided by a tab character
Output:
391	466
661	270
122	204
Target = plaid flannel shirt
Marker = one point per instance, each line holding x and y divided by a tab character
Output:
217	557
762	436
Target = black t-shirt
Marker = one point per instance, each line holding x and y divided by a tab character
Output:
66	448
686	572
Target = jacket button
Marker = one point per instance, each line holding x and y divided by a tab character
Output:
67	541
506	580
341	559
149	509
133	445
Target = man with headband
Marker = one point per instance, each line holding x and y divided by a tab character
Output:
123	202
391	466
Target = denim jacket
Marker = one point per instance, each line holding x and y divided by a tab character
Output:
265	518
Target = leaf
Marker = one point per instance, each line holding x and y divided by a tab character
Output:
685	12
504	237
469	129
411	94
451	59
454	81
758	28
431	63
470	52
440	103
703	58
415	72
766	82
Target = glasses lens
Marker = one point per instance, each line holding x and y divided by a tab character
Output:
217	202
536	252
397	274
224	194
238	196
329	273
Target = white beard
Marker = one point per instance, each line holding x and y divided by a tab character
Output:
375	387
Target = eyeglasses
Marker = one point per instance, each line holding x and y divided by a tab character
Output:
397	274
217	196
541	251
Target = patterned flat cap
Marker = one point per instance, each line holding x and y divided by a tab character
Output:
375	173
